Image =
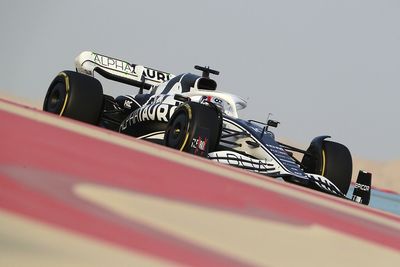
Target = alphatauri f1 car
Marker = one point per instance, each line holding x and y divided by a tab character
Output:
187	113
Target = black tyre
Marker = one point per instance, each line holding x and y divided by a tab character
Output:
337	164
194	128
331	160
75	95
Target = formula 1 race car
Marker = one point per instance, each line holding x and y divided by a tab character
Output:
187	113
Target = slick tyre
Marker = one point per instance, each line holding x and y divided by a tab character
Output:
337	164
331	160
75	95
194	128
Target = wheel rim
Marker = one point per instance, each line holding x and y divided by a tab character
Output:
178	131
56	99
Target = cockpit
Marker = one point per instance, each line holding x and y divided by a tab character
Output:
229	104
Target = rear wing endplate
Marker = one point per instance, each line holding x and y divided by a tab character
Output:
121	71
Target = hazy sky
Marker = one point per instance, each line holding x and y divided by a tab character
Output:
321	67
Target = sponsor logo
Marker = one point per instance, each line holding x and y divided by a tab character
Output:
156	112
199	145
200	142
125	67
211	99
128	103
214	100
115	64
362	187
156	75
243	162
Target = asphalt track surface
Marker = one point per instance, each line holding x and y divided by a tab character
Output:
76	195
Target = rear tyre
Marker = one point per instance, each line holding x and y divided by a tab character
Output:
331	160
75	95
194	128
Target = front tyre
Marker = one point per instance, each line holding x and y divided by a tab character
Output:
331	160
337	164
75	95
194	128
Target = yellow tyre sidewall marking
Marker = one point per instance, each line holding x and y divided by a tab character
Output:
66	79
323	163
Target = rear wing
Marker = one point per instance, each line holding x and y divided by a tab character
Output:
121	71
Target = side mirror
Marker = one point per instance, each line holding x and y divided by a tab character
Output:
273	123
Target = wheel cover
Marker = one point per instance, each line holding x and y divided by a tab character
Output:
57	99
177	134
57	95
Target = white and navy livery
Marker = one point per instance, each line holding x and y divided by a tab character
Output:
187	112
